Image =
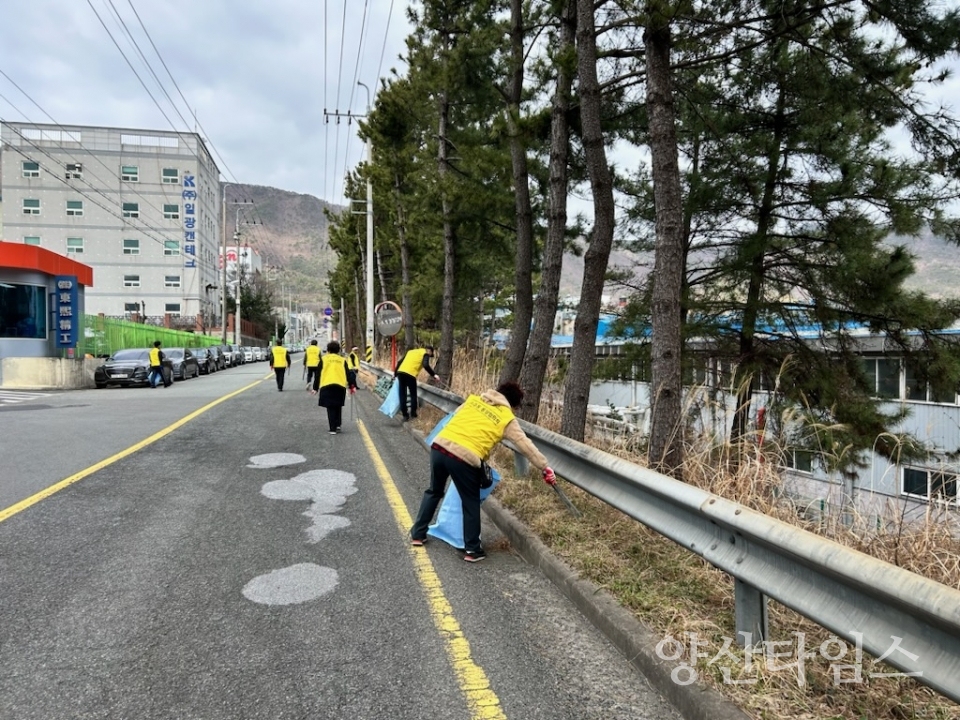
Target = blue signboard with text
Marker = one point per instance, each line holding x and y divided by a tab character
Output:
66	310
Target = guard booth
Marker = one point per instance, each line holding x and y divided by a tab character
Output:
41	316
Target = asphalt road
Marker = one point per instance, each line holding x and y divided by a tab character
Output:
209	551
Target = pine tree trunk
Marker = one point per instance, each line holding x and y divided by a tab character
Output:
666	450
583	352
410	338
545	305
444	365
523	291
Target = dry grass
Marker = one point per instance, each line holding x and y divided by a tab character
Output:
681	596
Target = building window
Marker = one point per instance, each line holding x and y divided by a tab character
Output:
130	173
31	240
171	176
799	460
131	210
171	212
30	169
131	281
74	208
171	247
23	311
31	206
172	309
929	484
883	375
929	389
171	281
74	246
131	246
74	171
130	308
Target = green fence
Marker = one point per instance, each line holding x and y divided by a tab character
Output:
103	336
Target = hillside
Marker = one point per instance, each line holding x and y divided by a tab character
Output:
291	232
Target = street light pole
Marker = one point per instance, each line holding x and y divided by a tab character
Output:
223	261
237	331
369	336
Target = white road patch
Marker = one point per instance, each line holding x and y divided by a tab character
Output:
327	491
295	584
272	460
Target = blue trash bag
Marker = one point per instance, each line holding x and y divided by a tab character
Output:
449	523
391	406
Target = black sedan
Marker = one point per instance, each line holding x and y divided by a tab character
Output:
130	367
205	359
185	365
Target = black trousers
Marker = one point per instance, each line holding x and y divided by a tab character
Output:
280	372
466	479
407	386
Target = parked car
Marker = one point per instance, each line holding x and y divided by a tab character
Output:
205	359
258	353
248	354
227	355
237	354
219	360
130	367
185	363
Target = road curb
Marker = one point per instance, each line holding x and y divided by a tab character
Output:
629	635
634	639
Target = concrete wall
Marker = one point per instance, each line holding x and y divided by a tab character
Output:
24	373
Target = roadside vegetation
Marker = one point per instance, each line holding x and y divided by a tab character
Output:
680	596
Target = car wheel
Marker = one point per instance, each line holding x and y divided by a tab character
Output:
101	386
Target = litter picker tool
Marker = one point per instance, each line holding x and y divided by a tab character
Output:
566	501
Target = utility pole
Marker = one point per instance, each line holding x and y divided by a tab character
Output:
223	251
371	354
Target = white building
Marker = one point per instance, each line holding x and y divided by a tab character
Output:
141	207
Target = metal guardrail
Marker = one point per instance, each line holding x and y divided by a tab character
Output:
909	620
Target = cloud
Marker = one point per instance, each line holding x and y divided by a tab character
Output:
258	76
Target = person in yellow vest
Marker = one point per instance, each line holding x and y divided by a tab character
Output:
311	359
353	367
156	367
333	385
279	362
406	374
457	453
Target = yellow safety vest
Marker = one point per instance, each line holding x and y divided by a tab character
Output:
477	426
313	355
334	370
353	362
412	362
279	356
155	357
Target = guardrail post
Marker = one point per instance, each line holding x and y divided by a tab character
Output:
750	612
521	466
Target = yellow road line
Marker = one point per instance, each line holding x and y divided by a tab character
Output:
482	702
47	492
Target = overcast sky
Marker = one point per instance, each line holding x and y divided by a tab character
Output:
258	74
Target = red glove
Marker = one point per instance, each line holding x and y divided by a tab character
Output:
549	477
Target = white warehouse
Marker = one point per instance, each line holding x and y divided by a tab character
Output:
141	207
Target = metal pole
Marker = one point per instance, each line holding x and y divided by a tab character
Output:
223	260
238	333
370	348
